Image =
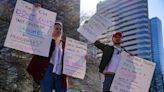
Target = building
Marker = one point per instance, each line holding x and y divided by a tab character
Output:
131	18
157	54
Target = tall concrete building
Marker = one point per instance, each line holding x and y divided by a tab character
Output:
157	54
131	18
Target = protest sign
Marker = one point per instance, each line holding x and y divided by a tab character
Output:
94	27
133	74
75	58
30	29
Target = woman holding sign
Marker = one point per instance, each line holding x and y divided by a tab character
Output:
47	71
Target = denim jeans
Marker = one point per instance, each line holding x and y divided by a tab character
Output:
107	83
51	81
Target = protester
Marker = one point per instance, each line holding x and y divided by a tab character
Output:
110	59
47	71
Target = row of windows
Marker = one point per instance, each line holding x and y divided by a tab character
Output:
136	8
138	49
130	45
144	54
140	43
136	18
128	40
129	35
131	29
143	38
141	22
139	2
144	48
121	27
144	43
135	13
135	23
141	32
129	10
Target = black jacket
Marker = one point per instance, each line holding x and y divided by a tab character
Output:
107	54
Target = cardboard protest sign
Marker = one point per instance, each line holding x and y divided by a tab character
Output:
133	74
30	29
75	58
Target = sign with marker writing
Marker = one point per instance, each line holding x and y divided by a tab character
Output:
95	26
30	29
134	74
75	58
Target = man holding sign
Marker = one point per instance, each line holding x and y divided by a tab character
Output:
110	59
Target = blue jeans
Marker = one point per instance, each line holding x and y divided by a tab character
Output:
107	82
51	81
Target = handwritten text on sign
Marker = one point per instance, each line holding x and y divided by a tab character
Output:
74	58
133	74
30	29
96	25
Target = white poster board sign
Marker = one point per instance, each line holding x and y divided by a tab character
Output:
75	58
95	26
30	29
134	74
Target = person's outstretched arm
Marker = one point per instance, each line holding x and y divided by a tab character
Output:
99	45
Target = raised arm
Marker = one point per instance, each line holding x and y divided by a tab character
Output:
99	45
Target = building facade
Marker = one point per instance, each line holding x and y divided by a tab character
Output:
157	54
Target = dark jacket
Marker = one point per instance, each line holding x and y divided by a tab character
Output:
39	64
107	54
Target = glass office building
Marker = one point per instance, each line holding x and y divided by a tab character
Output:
157	54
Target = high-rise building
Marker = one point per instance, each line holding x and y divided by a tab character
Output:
157	54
